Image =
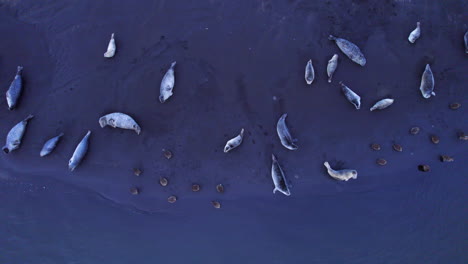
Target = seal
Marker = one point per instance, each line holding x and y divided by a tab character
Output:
382	104
110	48
343	175
50	145
349	49
415	34
331	67
427	83
279	179
16	87
234	142
79	153
13	139
309	72
466	42
119	120
167	84
283	133
351	96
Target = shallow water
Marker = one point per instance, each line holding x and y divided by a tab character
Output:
239	65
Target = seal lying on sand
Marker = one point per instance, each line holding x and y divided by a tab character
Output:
16	87
331	67
283	133
50	145
343	175
382	104
309	72
119	120
466	42
279	180
415	34
110	48
13	140
167	84
427	83
79	152
351	96
349	49
234	142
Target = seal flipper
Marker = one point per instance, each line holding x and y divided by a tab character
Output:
433	93
29	117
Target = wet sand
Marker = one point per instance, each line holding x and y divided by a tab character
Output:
233	61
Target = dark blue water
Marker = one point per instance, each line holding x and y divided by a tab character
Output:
233	59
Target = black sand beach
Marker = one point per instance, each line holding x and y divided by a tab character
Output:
240	64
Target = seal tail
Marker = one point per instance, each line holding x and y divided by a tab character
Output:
327	165
112	36
29	117
19	70
331	37
242	133
433	94
60	135
88	133
273	158
173	64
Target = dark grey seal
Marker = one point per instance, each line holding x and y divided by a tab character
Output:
283	133
80	152
13	140
427	83
351	96
50	145
16	87
279	179
349	49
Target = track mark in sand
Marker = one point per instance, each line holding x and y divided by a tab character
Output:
242	94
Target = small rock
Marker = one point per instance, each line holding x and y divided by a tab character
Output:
435	139
462	136
163	181
445	158
172	199
414	130
454	106
397	147
216	204
424	168
375	146
195	187
220	188
137	172
167	154
134	191
381	162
